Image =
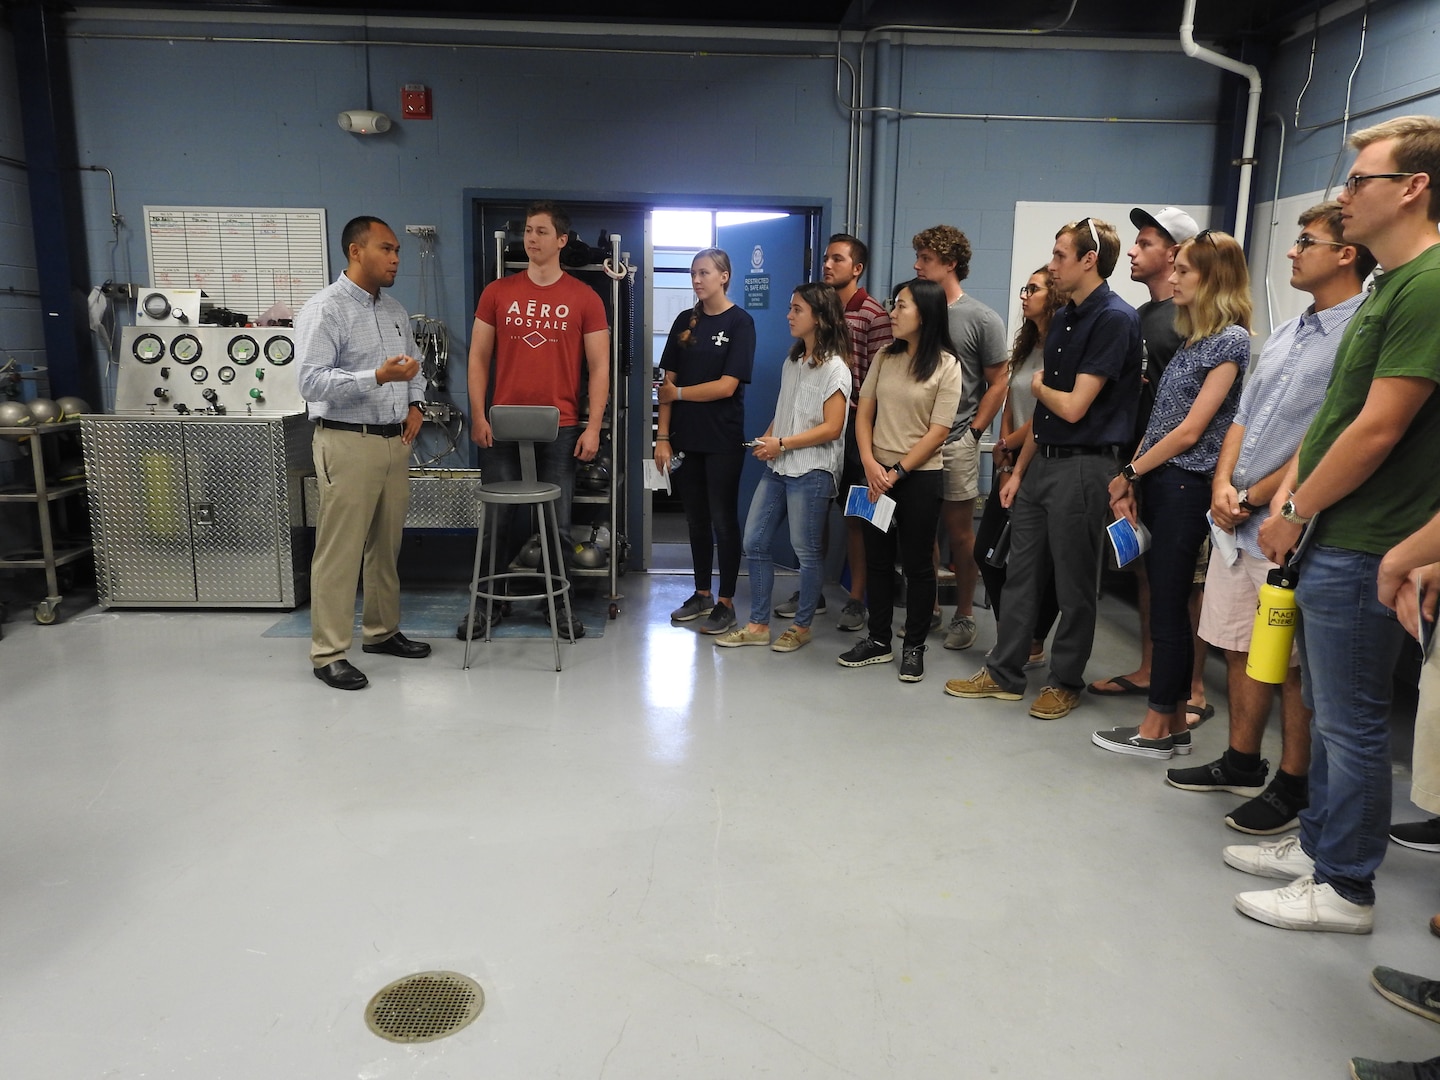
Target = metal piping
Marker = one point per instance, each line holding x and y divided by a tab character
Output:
1252	111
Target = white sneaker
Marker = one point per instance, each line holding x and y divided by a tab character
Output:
1283	859
1304	905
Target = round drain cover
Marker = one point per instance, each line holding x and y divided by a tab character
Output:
419	1008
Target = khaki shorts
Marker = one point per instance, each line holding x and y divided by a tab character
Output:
1425	769
1231	595
962	469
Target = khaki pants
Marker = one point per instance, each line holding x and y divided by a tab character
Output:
364	483
1425	768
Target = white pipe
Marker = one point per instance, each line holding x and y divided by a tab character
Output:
1252	112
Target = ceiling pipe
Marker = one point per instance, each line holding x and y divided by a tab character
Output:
1252	112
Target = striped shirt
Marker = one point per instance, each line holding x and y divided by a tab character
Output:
342	335
1281	397
869	333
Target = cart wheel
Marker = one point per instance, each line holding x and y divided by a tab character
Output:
614	610
45	612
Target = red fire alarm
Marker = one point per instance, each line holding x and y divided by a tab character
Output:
415	102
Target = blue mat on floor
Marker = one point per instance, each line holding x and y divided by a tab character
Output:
434	613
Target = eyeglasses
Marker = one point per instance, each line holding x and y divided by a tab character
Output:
1094	235
1352	183
1304	241
1208	234
1027	291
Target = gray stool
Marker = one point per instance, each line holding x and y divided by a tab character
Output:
526	425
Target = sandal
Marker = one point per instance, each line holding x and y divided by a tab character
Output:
1126	687
1198	715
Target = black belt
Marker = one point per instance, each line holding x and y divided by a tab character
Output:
1046	450
387	431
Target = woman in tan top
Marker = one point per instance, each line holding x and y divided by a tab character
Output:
907	403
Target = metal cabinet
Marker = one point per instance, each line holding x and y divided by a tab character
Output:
198	511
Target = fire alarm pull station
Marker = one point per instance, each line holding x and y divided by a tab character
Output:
415	102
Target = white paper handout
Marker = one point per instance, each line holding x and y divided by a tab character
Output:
1129	541
879	513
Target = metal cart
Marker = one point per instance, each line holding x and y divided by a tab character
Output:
58	547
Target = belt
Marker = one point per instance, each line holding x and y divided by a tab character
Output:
1046	450
388	431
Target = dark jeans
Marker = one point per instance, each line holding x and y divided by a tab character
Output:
992	523
912	538
555	463
1173	502
709	489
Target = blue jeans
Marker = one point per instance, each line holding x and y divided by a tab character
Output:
555	463
1173	502
805	501
1349	644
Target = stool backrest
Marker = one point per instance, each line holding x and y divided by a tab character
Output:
526	425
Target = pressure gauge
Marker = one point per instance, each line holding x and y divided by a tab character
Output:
156	305
148	348
198	373
226	374
243	349
278	350
185	348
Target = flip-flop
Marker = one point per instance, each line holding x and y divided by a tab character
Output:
1127	687
1201	713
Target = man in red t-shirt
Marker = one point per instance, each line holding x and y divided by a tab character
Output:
533	331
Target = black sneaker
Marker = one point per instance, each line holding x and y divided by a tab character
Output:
786	609
479	631
866	651
1274	810
720	619
1420	835
574	631
691	609
912	663
1219	776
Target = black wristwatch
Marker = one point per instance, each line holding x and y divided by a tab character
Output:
979	433
418	405
1129	473
899	471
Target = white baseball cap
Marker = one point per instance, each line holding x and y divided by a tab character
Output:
1170	220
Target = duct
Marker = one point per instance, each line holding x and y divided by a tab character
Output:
1252	111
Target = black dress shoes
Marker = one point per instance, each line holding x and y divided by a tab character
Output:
342	675
398	644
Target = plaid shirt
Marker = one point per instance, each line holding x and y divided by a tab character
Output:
869	333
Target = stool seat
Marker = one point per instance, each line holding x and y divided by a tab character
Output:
518	491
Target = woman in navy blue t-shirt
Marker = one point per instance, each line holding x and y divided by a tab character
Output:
708	359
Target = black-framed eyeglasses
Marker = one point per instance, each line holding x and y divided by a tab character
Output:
1303	241
1208	234
1027	291
1352	183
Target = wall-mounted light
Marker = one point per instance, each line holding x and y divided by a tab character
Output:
363	121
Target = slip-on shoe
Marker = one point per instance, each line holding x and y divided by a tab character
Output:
342	675
397	644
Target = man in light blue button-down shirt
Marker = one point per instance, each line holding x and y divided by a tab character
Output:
364	390
1282	394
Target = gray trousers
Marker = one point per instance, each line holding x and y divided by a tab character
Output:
1058	519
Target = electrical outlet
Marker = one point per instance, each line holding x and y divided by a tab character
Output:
425	232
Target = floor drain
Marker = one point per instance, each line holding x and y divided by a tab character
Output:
419	1008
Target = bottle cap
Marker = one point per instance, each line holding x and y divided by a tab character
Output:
1283	577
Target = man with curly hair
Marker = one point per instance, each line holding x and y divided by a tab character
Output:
942	255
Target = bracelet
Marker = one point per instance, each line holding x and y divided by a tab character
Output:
662	438
679	392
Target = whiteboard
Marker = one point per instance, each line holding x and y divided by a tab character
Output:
1036	224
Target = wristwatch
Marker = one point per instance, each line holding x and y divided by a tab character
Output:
1129	473
1243	498
417	405
979	433
899	471
1287	511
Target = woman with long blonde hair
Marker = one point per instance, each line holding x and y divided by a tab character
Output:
1173	469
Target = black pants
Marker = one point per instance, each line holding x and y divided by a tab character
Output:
1172	506
992	523
912	538
709	488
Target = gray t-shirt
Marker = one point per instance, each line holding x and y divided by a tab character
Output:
979	337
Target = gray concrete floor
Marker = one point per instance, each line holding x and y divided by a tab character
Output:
668	860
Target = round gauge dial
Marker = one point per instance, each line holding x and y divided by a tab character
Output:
226	374
148	348
279	350
156	305
243	349
198	373
185	348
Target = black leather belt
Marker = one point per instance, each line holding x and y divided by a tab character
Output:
385	431
1049	451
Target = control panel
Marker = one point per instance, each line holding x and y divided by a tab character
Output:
215	370
167	307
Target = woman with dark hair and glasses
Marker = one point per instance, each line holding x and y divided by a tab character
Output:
1173	468
708	358
804	449
1039	300
907	403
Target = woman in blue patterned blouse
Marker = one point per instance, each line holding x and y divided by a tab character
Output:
1172	470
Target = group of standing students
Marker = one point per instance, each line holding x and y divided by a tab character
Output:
906	406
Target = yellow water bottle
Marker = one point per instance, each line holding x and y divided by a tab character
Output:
1273	635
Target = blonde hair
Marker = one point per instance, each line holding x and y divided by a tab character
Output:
1223	295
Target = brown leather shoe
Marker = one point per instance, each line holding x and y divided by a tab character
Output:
1054	702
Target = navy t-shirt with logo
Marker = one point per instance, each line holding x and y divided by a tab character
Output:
719	345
